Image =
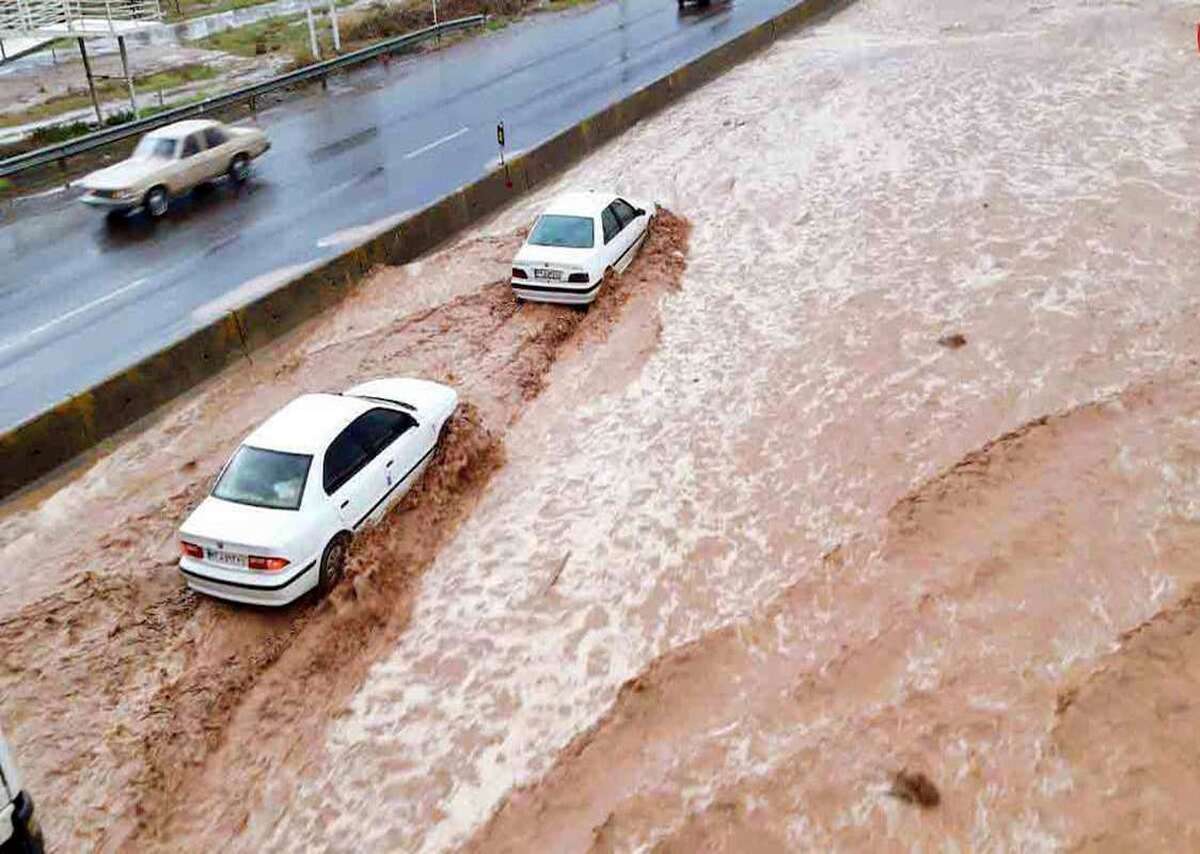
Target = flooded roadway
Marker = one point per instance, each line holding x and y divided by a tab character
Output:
904	473
1018	174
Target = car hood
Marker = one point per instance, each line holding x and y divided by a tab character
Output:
554	255
241	526
121	175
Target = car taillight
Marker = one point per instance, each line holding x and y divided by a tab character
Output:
190	549
518	273
270	564
578	278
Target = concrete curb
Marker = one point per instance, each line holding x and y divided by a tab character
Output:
45	442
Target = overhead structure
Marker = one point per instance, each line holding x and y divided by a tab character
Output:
28	24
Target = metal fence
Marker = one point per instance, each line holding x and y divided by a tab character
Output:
316	71
32	18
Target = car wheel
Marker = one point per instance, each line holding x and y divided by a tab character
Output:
239	169
157	202
333	563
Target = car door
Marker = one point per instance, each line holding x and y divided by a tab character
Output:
220	151
611	228
194	161
401	444
632	229
410	453
173	172
404	447
347	478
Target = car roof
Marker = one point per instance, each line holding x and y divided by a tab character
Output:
580	203
309	423
183	128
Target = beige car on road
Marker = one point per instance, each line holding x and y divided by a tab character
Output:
172	160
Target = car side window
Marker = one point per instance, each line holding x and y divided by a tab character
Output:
215	137
626	213
344	458
378	428
611	224
191	146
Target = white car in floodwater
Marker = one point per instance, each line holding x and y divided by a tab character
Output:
281	515
172	160
19	829
574	245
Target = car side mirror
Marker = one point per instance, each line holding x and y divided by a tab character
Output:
639	212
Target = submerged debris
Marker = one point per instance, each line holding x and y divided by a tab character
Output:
915	788
953	341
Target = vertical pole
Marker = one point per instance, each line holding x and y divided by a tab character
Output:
3	55
128	76
435	13
312	32
337	38
87	69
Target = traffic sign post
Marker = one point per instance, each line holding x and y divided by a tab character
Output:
500	141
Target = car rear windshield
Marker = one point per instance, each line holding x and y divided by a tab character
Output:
154	148
264	478
570	232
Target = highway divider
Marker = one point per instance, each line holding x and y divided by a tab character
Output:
81	422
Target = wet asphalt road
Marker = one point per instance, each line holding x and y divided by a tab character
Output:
81	299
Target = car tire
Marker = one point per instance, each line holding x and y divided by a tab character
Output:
157	201
239	169
22	843
26	831
333	563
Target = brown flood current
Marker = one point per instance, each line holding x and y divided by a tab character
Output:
147	715
893	493
974	652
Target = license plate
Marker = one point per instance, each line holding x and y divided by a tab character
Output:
230	558
553	275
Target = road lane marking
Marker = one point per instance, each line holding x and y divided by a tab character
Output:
436	143
75	312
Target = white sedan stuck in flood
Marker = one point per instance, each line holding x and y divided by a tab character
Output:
574	245
279	520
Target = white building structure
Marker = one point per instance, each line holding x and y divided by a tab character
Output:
26	25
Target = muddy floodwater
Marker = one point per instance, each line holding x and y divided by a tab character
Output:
862	513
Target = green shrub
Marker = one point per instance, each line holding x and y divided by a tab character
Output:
50	134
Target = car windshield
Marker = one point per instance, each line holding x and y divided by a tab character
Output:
154	148
264	478
571	232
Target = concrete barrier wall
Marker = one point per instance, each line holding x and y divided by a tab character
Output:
79	423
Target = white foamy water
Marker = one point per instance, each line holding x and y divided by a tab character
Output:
904	171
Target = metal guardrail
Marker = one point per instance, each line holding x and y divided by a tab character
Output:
316	71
